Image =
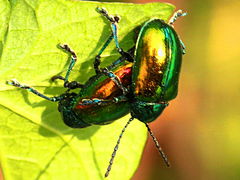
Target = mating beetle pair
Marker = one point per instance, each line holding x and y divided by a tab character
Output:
141	83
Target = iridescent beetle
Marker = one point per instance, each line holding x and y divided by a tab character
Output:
143	87
155	73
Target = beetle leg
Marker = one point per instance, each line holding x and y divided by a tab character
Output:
175	16
97	61
171	21
183	46
164	103
119	49
72	62
15	83
113	20
102	101
67	84
115	79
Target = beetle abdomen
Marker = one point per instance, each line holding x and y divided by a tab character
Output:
104	88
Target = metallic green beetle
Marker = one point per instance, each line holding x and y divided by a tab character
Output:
155	73
156	69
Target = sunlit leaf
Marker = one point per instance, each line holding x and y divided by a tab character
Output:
34	142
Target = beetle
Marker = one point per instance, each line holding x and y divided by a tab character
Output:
142	85
155	73
102	93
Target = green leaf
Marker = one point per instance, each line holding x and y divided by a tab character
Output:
34	142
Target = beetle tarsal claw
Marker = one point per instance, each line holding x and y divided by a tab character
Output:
13	82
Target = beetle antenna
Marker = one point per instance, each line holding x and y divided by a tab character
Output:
165	159
116	147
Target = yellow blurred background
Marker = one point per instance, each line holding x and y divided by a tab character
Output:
200	130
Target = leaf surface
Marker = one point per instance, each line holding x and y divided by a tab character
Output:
34	142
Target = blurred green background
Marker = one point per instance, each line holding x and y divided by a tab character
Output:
200	130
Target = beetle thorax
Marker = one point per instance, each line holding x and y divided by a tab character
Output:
67	102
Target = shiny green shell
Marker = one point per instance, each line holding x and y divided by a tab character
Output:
102	87
157	63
